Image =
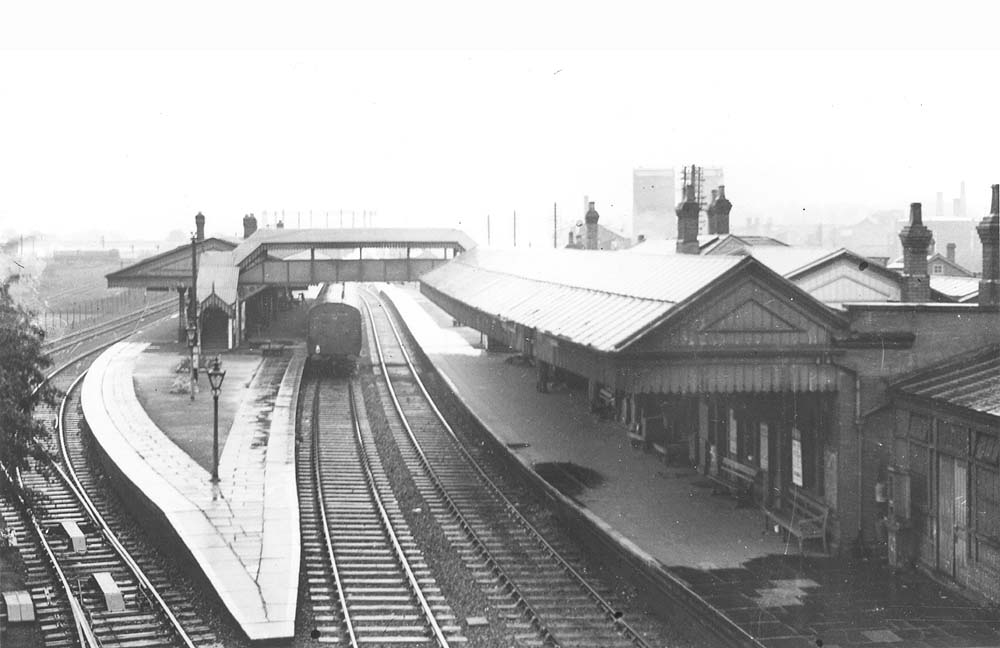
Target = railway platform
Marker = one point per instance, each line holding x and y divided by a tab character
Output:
667	516
243	532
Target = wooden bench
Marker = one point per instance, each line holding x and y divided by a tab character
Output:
272	349
739	477
806	519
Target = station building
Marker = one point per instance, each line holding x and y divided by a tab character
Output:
786	365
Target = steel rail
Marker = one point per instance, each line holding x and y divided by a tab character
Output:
85	633
387	523
86	636
321	503
74	484
66	341
606	607
533	616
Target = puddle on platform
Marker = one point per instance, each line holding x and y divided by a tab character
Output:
569	478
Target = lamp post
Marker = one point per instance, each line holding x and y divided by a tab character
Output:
215	377
192	336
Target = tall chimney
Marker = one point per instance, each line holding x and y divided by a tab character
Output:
915	238
199	226
687	223
950	248
939	212
956	208
591	220
989	234
249	225
711	211
722	209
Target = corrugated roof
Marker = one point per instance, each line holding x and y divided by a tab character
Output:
218	273
360	236
972	382
668	246
958	288
593	298
788	261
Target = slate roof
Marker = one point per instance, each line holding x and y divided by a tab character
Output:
971	382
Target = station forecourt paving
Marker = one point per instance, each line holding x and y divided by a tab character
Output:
723	553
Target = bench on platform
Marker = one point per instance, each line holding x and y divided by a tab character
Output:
806	518
738	477
272	348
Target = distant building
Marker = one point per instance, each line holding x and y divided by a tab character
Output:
961	232
590	235
939	265
653	199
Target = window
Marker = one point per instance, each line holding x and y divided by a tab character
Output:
938	268
987	503
920	428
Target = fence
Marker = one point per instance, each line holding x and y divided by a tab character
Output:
68	317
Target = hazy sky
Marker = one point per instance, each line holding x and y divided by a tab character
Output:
439	114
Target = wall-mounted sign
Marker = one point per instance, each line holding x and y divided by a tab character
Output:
732	432
796	457
763	446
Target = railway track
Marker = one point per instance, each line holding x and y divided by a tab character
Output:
71	606
74	338
367	581
547	600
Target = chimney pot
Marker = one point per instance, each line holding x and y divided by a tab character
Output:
249	225
989	235
591	219
199	224
915	238
687	223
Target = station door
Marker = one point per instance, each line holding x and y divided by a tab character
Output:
214	329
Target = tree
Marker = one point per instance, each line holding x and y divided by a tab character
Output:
22	384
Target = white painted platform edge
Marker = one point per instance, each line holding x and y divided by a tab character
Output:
173	505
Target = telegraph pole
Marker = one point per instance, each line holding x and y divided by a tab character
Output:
515	228
555	242
487	229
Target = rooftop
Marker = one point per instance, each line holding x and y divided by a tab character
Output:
593	298
971	382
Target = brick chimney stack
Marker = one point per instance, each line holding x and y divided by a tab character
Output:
591	222
249	225
711	211
199	226
950	252
989	234
722	209
687	223
915	238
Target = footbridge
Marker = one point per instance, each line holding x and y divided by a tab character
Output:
230	288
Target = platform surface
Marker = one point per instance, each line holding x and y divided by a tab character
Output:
669	515
243	532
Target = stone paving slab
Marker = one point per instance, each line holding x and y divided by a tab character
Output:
243	532
723	554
